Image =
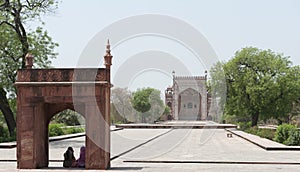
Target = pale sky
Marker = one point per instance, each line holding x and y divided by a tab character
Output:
228	25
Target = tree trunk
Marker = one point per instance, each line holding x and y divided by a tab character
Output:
7	112
254	119
279	121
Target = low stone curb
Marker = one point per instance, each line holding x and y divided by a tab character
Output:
177	126
262	145
212	162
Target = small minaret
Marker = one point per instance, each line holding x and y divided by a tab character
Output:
28	61
108	56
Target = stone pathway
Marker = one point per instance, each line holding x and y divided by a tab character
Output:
173	150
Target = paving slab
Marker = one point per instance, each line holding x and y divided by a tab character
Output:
207	145
174	150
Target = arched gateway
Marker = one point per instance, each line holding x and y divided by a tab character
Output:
188	98
43	93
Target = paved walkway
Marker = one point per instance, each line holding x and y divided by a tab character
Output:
174	150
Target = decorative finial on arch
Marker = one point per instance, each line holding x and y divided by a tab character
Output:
108	56
28	61
108	48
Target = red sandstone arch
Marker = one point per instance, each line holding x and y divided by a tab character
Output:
43	93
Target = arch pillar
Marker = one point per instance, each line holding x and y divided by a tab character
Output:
33	146
98	132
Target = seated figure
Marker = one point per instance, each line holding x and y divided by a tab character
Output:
69	158
80	162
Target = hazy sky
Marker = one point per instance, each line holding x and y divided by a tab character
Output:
228	25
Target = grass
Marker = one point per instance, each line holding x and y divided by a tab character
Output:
61	129
54	130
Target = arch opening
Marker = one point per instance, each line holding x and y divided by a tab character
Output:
71	124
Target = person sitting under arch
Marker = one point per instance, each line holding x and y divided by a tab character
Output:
69	159
80	162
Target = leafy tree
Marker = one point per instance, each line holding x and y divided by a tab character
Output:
287	101
68	117
217	89
260	84
18	39
147	101
141	100
296	107
121	103
115	116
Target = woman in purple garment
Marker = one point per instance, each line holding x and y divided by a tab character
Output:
81	159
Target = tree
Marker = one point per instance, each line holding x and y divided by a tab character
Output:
295	108
217	89
18	39
260	84
287	101
68	117
147	101
115	116
121	102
